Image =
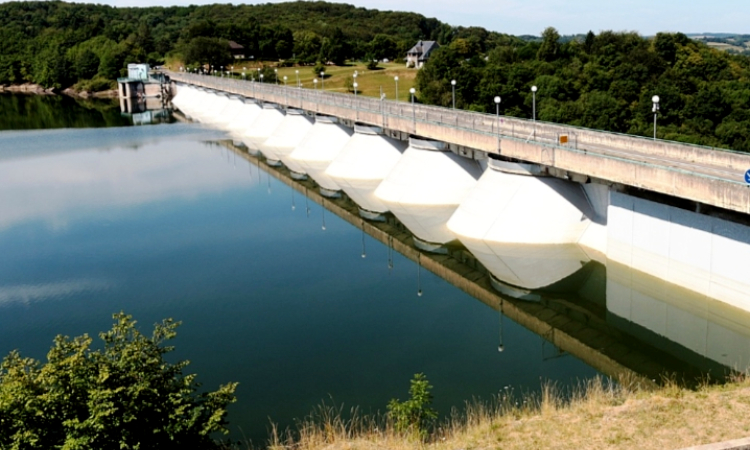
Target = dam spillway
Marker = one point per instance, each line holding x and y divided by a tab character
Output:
286	137
364	162
533	228
262	127
246	115
319	148
426	186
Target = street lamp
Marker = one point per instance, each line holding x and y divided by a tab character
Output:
297	72
413	108
284	80
453	91
655	110
497	114
315	83
396	80
261	78
533	108
276	75
355	90
323	80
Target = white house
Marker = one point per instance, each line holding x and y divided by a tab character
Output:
418	54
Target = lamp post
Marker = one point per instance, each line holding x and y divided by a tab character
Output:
396	80
322	80
412	91
355	89
497	115
284	80
261	78
453	92
244	73
655	110
315	83
276	75
533	108
297	72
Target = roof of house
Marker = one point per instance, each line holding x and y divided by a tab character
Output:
235	46
423	48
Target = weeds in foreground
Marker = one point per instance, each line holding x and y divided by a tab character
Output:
598	413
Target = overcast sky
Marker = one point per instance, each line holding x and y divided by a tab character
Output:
569	16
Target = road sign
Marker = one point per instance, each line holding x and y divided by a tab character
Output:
747	176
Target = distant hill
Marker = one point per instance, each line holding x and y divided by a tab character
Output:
733	43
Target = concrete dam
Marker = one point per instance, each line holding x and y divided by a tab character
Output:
531	224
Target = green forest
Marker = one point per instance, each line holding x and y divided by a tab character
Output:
602	81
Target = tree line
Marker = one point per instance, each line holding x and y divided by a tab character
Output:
604	81
58	44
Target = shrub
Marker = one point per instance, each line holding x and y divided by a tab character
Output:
318	68
124	395
415	414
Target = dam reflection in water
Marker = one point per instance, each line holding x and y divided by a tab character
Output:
615	318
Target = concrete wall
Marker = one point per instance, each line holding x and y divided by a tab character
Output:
664	314
704	254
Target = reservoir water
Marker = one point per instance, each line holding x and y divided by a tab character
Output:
298	302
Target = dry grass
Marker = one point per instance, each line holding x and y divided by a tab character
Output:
596	415
370	81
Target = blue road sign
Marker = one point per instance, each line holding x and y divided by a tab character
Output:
747	176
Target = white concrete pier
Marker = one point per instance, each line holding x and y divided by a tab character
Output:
286	137
426	186
510	207
319	148
363	164
262	127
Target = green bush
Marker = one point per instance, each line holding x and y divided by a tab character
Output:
125	395
97	84
318	68
415	414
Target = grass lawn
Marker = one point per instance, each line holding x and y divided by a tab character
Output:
369	81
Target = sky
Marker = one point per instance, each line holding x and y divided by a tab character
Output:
517	17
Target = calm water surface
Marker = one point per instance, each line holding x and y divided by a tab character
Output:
170	226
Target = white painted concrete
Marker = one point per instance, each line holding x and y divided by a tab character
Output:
527	266
362	165
319	148
210	115
186	100
286	137
229	113
247	114
709	327
262	127
519	209
702	253
425	187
